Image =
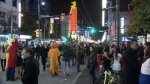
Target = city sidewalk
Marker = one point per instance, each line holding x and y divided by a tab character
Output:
85	78
46	78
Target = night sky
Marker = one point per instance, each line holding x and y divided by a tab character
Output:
93	7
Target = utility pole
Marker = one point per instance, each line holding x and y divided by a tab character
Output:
11	23
117	21
39	20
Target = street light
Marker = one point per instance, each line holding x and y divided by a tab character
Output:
42	3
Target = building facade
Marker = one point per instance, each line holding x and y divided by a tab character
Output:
33	7
8	6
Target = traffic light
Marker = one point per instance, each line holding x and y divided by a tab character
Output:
92	31
65	39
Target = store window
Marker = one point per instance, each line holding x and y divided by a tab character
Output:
2	15
14	3
3	0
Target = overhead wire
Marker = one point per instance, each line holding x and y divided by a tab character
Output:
83	15
87	12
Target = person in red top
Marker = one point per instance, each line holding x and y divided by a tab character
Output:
12	60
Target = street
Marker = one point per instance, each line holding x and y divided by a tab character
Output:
46	78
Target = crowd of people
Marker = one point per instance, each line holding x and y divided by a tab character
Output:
130	62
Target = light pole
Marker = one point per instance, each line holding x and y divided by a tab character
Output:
43	3
117	21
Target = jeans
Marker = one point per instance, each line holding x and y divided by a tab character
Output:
66	68
88	64
144	79
92	72
44	63
78	65
38	56
10	73
3	63
73	61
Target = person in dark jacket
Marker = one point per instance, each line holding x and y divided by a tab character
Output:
87	51
44	54
37	52
131	65
66	57
93	63
31	71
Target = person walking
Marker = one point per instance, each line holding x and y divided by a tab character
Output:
78	57
31	71
3	57
18	71
53	54
145	69
66	57
131	65
116	66
44	54
37	52
93	63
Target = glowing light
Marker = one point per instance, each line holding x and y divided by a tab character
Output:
19	15
103	18
43	3
104	3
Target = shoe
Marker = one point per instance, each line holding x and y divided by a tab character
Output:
52	75
67	74
56	74
7	79
12	80
3	69
78	70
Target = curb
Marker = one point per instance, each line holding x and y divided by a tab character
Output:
77	77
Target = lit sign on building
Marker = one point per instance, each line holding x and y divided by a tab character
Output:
51	25
103	12
122	25
73	18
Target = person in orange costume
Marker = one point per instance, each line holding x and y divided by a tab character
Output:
53	54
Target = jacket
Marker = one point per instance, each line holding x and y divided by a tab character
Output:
131	67
44	52
12	58
31	71
93	59
66	55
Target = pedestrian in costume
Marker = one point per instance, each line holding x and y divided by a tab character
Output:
12	61
54	53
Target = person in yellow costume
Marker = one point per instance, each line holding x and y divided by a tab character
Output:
7	54
53	54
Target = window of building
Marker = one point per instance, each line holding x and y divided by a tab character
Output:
3	0
14	3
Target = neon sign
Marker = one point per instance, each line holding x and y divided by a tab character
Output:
73	18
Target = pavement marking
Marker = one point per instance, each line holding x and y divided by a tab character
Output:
77	77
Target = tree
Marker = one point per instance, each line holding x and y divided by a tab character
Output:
29	25
141	15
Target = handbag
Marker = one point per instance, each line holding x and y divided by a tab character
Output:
47	62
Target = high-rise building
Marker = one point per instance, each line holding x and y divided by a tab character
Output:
32	7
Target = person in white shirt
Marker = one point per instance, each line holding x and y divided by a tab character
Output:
116	66
145	69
